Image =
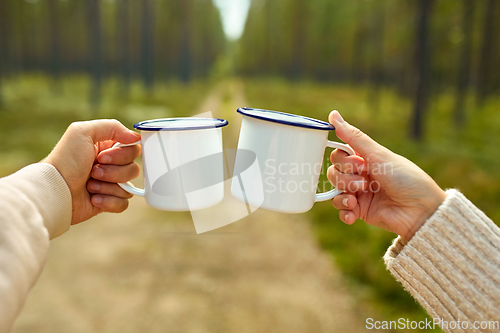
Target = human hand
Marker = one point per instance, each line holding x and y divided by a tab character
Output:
92	168
381	187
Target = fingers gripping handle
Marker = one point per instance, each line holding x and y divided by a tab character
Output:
129	187
333	193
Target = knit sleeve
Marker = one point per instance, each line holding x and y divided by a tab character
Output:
35	206
451	266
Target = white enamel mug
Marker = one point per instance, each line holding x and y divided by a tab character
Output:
182	163
289	150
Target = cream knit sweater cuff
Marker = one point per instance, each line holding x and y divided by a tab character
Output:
44	187
452	264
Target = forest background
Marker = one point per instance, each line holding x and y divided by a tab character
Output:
421	77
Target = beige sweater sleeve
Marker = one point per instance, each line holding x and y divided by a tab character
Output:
452	266
35	206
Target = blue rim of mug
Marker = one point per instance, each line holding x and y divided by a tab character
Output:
294	120
202	123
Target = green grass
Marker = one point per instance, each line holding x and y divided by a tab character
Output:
36	111
466	159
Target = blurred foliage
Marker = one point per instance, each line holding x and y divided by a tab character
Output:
375	42
33	118
467	159
359	40
181	38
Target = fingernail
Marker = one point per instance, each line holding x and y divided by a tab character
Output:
105	159
98	172
345	217
97	199
344	202
329	171
338	117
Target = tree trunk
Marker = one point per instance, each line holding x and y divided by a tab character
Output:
358	65
185	47
95	50
123	45
268	45
4	43
147	52
55	44
485	59
377	59
464	66
422	66
298	39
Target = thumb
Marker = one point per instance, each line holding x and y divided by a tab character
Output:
108	129
359	141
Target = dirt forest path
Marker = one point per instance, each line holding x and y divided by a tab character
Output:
148	271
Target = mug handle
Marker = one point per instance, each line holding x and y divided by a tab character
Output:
333	193
128	186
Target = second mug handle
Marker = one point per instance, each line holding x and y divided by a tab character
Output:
129	187
333	193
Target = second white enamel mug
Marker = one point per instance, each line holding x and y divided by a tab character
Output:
289	149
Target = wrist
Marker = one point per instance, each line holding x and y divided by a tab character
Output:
430	207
